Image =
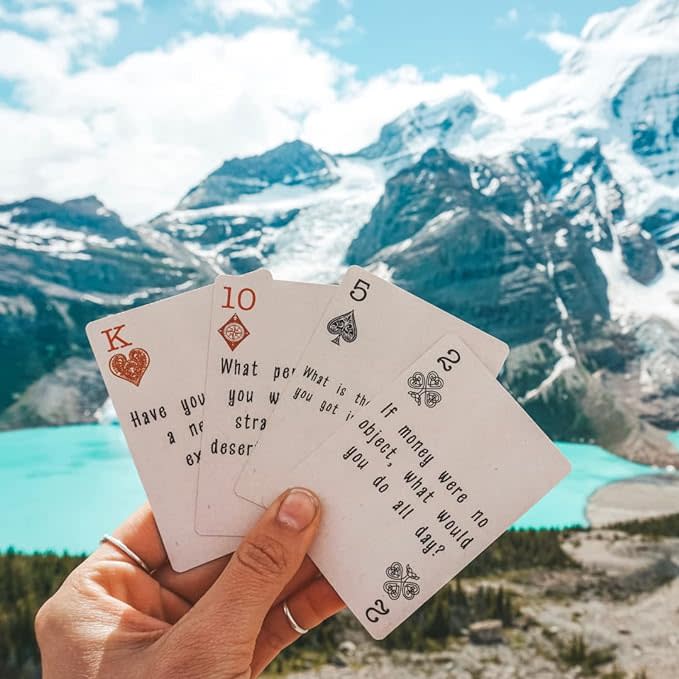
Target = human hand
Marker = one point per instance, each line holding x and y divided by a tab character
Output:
111	619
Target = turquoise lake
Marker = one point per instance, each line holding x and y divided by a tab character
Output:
674	438
62	488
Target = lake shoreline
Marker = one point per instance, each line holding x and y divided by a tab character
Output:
50	474
643	497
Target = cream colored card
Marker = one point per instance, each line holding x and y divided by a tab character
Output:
152	359
259	329
419	483
369	332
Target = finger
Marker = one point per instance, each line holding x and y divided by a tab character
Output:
140	534
264	563
307	573
309	607
173	607
129	584
191	585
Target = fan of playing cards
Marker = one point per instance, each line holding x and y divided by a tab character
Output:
384	405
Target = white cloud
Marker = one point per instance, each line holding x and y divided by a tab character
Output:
270	9
509	18
340	31
559	42
23	58
346	23
140	133
353	119
70	28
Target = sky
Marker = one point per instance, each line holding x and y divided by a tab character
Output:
137	100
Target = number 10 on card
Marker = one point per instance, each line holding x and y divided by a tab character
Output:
245	299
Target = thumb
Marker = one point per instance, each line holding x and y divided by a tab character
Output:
223	626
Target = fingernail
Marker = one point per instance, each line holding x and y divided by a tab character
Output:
298	509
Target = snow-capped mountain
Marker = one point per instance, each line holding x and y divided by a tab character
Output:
620	84
550	218
445	125
298	219
291	164
62	265
617	91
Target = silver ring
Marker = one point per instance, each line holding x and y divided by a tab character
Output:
293	623
127	551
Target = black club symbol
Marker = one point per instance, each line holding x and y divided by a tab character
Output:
425	387
401	583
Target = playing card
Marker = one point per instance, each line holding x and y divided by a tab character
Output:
258	330
421	481
152	359
369	332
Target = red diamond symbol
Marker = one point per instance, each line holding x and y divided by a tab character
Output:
233	332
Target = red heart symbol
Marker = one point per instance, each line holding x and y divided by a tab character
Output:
131	367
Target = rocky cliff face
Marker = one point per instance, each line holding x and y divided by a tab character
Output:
491	242
510	245
645	110
62	265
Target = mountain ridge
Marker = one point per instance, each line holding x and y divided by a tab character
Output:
540	238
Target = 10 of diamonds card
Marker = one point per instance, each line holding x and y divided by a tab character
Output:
258	329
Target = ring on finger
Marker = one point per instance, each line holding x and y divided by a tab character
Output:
121	546
291	619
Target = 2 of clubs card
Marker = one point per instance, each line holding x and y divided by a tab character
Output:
421	481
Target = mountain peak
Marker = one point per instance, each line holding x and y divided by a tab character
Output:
290	164
87	214
85	201
649	17
442	124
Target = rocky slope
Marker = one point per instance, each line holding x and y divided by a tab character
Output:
298	216
292	164
510	245
621	604
62	265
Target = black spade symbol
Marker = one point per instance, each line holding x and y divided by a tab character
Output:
344	326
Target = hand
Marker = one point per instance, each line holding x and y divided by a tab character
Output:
110	619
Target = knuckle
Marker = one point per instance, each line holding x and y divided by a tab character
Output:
45	621
262	556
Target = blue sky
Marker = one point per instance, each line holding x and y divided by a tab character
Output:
137	100
437	36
